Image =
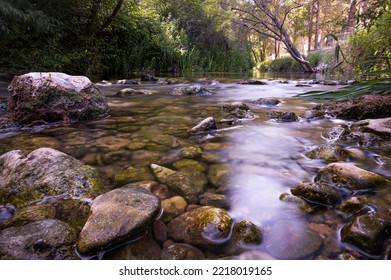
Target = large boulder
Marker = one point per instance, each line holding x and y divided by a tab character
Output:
26	177
54	97
118	216
380	127
203	226
41	240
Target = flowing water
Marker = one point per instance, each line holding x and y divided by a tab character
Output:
266	158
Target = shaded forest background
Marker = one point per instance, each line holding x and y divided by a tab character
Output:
123	36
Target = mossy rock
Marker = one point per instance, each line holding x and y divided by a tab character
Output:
329	153
47	239
27	177
291	202
191	152
28	214
351	177
317	193
367	232
181	251
203	226
117	216
190	165
133	174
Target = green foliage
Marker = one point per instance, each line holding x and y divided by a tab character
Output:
146	35
370	49
352	91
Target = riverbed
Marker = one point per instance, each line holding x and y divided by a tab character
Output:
265	158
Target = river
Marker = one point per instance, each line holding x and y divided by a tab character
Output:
265	158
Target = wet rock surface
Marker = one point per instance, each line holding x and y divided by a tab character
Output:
201	227
190	90
317	193
208	124
117	216
26	177
54	97
367	232
47	239
182	251
351	177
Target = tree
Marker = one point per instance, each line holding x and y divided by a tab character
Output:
261	17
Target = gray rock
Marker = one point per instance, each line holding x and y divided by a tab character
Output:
117	216
351	177
181	251
44	172
54	97
41	240
380	127
148	78
190	90
292	240
203	226
317	193
208	124
367	232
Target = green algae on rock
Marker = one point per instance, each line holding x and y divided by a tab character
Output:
203	226
316	193
27	177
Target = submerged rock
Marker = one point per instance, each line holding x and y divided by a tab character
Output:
291	202
117	216
245	233
367	232
190	165
52	97
26	177
214	199
28	214
203	226
219	174
133	174
41	240
184	184
182	251
292	240
317	193
191	152
351	177
205	125
173	207
144	248
190	90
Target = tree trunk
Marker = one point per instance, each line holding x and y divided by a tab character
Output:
110	19
310	24
316	43
351	21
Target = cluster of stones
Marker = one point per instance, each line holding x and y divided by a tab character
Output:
349	188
